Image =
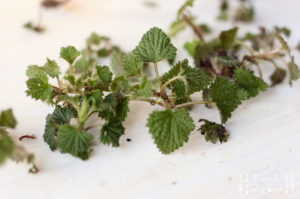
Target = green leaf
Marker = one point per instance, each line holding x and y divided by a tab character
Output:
6	146
81	65
205	28
7	119
50	133
190	79
108	107
120	85
104	52
144	89
51	68
94	38
227	38
132	65
195	78
246	80
179	88
122	108
38	87
191	47
227	96
114	107
229	60
70	78
69	53
293	71
59	116
74	142
33	70
170	129
286	31
104	75
155	46
213	131
203	50
111	132
284	44
63	115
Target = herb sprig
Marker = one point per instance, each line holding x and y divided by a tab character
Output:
224	74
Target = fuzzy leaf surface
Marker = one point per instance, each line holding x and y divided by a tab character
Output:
111	132
69	53
227	96
155	46
170	129
74	142
249	82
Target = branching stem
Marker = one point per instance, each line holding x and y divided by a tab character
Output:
151	101
170	81
161	89
191	103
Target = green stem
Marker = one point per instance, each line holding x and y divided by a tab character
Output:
170	81
71	69
191	103
167	105
58	81
157	75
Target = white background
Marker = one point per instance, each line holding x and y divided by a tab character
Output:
264	131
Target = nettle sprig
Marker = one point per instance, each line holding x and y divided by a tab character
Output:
10	149
89	89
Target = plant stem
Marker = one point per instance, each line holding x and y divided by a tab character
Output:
157	74
151	101
267	54
262	56
259	71
251	51
195	28
71	69
161	89
191	103
170	81
59	90
59	83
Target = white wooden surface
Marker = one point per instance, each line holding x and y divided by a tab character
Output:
264	142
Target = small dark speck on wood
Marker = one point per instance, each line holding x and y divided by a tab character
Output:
128	140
